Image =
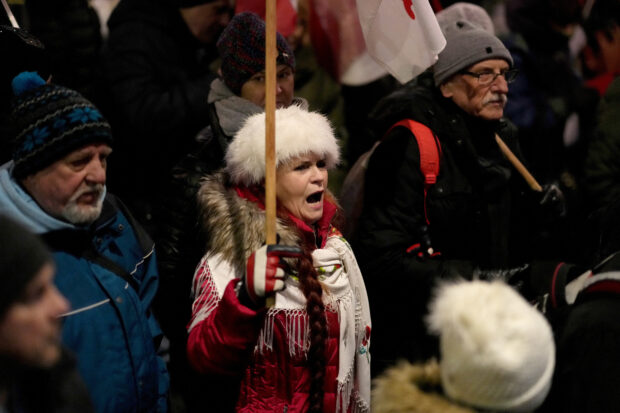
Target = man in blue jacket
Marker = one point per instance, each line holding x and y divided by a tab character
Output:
55	186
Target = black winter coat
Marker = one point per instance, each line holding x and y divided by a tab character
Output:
180	246
470	210
59	389
158	77
587	334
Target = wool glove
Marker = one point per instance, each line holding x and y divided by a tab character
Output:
265	273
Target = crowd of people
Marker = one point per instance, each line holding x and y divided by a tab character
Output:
477	273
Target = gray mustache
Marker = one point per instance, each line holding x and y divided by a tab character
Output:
97	188
495	98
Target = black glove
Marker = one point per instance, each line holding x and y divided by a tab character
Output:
516	277
424	248
552	201
513	276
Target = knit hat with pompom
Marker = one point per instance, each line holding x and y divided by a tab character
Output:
49	122
497	351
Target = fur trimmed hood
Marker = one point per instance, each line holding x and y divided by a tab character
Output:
235	225
412	388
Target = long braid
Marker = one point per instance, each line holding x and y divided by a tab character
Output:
313	292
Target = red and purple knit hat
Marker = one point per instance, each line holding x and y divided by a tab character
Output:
242	49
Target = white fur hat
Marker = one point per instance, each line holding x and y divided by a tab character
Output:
298	132
497	351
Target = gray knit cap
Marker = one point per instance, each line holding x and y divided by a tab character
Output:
466	45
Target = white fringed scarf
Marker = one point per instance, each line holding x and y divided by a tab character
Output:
345	293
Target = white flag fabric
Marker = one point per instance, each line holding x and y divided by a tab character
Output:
401	35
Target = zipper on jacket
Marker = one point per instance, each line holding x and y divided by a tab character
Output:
285	409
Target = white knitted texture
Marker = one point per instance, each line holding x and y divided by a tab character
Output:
497	351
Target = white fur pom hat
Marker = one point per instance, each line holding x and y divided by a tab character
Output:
298	132
497	351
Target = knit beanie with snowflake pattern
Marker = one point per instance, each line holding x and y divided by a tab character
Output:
49	122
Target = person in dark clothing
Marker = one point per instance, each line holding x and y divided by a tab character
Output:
36	373
236	95
602	168
583	312
157	67
71	33
409	236
550	103
60	40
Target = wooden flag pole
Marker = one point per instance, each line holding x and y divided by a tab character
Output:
9	14
270	127
270	122
531	181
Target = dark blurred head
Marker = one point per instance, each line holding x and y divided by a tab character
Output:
30	304
535	17
602	27
206	19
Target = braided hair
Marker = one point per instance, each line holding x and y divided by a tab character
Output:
313	292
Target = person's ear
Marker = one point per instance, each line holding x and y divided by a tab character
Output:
447	89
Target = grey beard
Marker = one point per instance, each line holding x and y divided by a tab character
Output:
81	215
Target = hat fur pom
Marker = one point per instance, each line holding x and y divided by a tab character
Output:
298	132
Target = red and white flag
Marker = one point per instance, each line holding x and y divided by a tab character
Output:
401	35
286	13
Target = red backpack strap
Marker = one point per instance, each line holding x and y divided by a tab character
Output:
430	153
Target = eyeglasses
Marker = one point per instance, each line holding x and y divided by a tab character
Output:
486	78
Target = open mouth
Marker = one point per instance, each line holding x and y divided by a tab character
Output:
315	197
89	197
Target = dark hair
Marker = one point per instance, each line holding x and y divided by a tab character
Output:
23	255
564	12
603	17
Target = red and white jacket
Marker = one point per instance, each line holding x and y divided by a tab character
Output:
268	347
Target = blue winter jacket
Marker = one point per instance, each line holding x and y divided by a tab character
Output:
108	273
